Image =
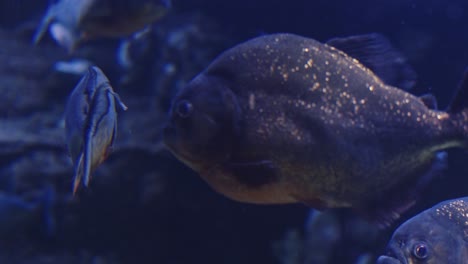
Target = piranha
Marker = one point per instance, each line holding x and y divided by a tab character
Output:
285	119
91	123
437	235
72	22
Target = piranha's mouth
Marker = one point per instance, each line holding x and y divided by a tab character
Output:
168	136
172	143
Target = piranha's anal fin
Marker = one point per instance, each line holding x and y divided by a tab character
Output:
253	174
377	53
388	208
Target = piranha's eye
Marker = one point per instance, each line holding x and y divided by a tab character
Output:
184	108
420	251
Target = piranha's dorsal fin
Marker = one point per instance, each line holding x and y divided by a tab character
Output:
377	53
460	100
429	100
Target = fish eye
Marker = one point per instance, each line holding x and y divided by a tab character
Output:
420	251
184	108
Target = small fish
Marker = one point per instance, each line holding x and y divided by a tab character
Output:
437	235
73	21
284	119
90	123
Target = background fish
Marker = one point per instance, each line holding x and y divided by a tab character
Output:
90	123
437	235
74	21
285	119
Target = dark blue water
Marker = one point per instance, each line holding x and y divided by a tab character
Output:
149	208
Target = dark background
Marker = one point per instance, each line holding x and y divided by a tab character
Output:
193	224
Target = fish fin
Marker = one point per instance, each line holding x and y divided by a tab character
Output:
78	174
384	212
119	101
45	23
429	100
377	53
253	174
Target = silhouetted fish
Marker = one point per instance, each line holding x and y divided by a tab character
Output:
284	119
72	21
437	235
90	123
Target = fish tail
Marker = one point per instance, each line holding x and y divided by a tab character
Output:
458	108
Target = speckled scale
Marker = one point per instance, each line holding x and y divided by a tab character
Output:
283	119
453	214
296	92
436	235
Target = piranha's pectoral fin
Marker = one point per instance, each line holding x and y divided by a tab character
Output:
253	174
384	211
377	53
